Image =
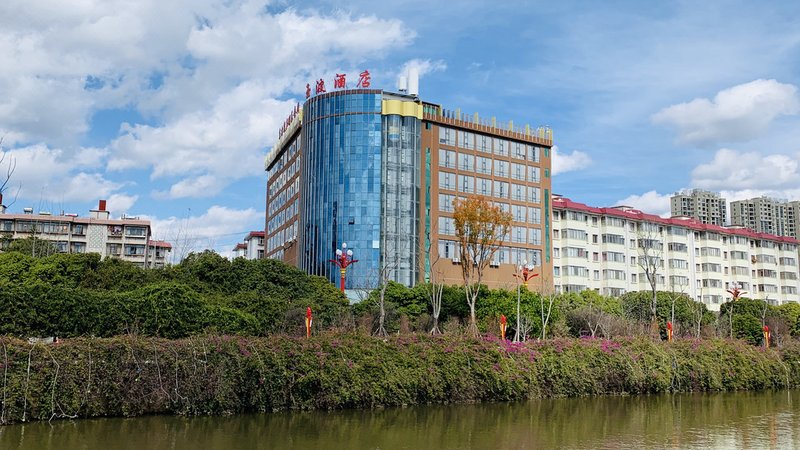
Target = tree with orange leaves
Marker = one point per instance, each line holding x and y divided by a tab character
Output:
480	228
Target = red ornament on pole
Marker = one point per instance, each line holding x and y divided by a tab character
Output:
309	320
344	258
503	325
766	336
669	331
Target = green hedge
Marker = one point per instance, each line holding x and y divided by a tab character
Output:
130	376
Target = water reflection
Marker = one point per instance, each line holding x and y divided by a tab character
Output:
738	420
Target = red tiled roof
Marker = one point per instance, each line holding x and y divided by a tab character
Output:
682	221
240	246
253	234
159	244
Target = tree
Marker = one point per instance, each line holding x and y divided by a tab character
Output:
11	166
434	284
480	228
32	246
651	251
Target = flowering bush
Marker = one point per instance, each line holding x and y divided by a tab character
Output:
213	374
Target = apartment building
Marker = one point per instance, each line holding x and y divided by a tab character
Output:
702	206
602	249
380	171
251	248
126	238
158	254
766	215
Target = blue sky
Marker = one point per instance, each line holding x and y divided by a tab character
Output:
167	109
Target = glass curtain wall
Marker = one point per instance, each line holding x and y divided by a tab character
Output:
401	197
341	196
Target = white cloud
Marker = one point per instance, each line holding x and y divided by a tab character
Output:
206	74
423	66
740	113
650	202
733	170
213	147
120	204
569	162
55	175
211	230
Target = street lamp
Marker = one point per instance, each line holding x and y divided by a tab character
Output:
523	274
344	257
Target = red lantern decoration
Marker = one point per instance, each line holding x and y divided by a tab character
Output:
309	320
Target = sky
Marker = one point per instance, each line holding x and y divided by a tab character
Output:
167	109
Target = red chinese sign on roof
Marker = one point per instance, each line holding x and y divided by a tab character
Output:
339	82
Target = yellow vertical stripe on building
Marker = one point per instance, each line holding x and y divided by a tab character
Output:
401	108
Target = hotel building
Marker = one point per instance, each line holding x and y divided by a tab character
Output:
380	171
601	249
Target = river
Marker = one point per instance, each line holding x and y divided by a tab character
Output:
725	420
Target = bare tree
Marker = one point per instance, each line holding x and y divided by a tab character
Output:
550	298
10	167
651	251
523	274
385	272
434	283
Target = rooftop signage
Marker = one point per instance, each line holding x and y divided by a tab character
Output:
339	82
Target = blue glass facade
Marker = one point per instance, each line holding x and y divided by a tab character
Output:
341	194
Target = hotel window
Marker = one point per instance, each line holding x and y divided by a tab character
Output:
533	153
466	162
447	225
501	189
466	140
518	171
447	180
483	165
534	194
518	192
466	184
484	186
535	235
483	143
518	234
447	158
518	213
534	215
447	136
501	168
518	150
447	249
500	147
533	174
446	202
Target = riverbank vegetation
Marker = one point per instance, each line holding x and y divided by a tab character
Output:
80	295
213	336
210	374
